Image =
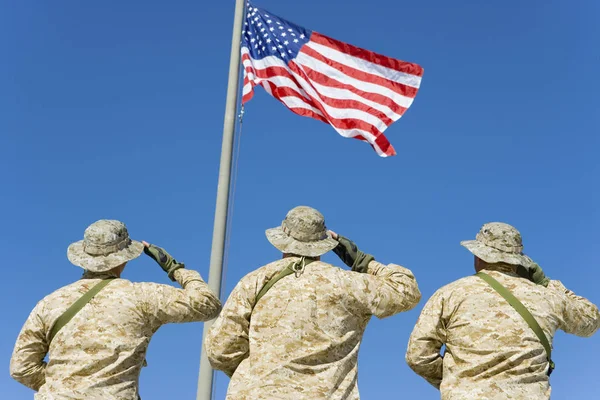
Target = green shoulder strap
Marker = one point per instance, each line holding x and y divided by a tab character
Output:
76	307
521	309
288	270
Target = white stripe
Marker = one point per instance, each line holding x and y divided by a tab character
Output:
366	66
247	89
296	102
369	87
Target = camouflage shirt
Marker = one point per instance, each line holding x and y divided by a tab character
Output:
100	352
301	340
491	352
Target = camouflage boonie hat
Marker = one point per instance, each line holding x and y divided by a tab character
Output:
105	245
498	242
303	233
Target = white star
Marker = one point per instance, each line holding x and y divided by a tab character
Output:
274	48
259	24
278	23
269	21
280	46
295	40
302	36
293	34
290	30
289	51
263	29
271	29
260	42
263	48
286	43
277	40
283	55
255	46
267	15
283	34
281	27
252	40
268	40
256	19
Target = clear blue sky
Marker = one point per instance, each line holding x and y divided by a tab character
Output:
115	110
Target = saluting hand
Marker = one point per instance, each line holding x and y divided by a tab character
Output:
162	258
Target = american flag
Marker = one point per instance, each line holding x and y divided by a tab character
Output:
358	92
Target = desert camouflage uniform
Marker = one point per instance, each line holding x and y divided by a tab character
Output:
100	352
491	352
301	341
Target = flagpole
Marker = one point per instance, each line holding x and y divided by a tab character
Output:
205	376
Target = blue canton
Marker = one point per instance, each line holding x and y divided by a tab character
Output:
265	34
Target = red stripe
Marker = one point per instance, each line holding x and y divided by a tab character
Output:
404	90
337	103
248	96
388	62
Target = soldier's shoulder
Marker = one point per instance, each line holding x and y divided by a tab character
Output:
460	285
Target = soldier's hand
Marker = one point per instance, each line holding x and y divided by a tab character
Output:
162	258
537	276
350	255
534	273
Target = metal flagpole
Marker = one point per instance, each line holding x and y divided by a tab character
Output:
205	377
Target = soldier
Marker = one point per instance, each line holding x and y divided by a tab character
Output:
494	348
297	337
97	349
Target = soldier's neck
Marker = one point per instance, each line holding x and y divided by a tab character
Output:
288	255
500	267
101	275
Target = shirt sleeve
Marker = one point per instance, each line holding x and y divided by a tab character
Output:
194	302
389	289
427	338
227	343
580	316
27	365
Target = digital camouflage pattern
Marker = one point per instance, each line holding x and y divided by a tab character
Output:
302	232
491	352
301	340
100	352
106	244
498	242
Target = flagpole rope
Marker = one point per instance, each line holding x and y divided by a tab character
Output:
235	165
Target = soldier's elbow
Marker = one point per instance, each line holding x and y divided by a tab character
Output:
215	308
207	308
18	373
411	299
411	360
416	298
